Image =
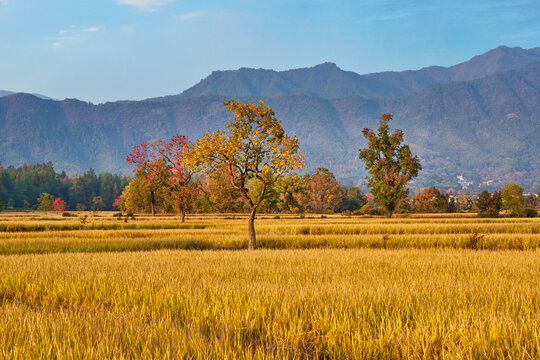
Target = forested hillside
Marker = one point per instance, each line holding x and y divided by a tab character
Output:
485	129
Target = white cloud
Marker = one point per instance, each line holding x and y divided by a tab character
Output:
144	4
73	34
195	14
201	14
5	2
92	29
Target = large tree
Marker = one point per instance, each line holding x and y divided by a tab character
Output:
390	164
254	147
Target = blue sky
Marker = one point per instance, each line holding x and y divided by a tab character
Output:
106	50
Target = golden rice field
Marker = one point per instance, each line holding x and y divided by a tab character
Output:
339	288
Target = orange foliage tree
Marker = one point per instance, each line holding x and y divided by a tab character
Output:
254	147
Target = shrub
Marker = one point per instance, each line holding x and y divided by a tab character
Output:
68	214
530	212
489	213
374	211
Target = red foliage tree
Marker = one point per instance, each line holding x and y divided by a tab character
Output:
59	206
160	165
149	168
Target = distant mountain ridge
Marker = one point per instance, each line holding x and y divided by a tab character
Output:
483	129
328	81
7	93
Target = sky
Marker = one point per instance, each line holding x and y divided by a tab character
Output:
108	50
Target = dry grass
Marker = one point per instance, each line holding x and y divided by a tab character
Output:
420	294
35	233
272	304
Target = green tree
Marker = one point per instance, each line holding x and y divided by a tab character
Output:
135	197
254	146
45	202
390	164
483	200
512	198
293	193
355	199
270	199
1	205
489	204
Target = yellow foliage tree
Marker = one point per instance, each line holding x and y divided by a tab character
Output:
254	147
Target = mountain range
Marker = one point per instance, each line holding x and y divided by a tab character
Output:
329	81
479	119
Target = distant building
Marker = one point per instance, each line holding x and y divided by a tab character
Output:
464	182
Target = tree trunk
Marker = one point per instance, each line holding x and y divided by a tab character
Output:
152	201
183	215
251	230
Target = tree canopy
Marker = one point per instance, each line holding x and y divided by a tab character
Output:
391	165
159	164
254	146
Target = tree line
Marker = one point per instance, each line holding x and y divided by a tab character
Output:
22	188
28	186
250	166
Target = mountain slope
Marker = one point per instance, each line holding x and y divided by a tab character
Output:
7	93
329	81
483	129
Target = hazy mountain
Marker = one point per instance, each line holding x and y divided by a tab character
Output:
7	93
329	81
483	129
